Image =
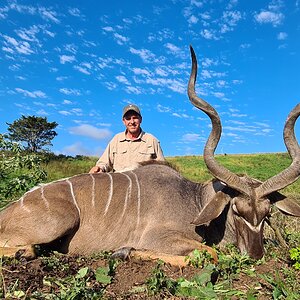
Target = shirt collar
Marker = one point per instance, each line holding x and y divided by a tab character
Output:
140	137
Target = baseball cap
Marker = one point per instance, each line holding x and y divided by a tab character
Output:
130	107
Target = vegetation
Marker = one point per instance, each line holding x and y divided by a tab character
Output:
19	171
236	276
34	131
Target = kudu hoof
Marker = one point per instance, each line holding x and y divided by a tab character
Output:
122	253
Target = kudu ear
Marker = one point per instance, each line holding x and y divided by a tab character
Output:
288	206
212	209
285	204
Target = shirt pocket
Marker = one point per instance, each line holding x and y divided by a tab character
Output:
119	152
147	152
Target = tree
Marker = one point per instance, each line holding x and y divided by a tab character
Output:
37	132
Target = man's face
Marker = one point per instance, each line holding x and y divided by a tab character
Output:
132	122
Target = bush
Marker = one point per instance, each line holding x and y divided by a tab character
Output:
19	170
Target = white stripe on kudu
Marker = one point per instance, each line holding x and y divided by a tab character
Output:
138	199
43	197
22	204
93	190
110	194
128	194
72	193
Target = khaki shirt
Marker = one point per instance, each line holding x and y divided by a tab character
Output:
124	154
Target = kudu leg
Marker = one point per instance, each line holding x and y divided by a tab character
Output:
180	246
174	260
26	251
23	226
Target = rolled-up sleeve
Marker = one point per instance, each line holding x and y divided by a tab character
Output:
105	162
158	150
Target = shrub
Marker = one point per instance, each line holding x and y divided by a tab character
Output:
19	170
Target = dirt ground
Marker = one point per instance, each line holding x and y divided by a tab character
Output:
128	281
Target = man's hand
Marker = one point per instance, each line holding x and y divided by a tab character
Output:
95	170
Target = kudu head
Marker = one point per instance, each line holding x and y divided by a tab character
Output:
249	200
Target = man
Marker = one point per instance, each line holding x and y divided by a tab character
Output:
128	148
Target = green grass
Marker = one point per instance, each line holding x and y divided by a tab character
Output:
259	166
62	167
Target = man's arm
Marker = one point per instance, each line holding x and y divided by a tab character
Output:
104	163
158	150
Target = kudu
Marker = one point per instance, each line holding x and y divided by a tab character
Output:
152	208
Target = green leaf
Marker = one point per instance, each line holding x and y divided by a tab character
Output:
102	275
19	294
82	272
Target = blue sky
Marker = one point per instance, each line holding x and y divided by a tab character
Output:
79	62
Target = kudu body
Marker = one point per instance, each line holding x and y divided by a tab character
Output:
153	208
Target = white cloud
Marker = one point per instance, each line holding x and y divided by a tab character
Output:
50	33
245	46
218	95
139	71
197	3
67	102
146	55
23	8
282	36
164	109
161	72
61	78
22	47
73	111
184	116
64	112
161	35
121	40
91	132
265	125
242	129
122	79
273	18
209	34
239	115
48	14
236	122
79	149
74	12
172	84
110	85
34	94
71	48
205	16
28	34
42	112
210	74
82	70
133	90
45	13
21	77
206	62
104	62
76	111
230	20
175	50
193	19
67	91
108	29
66	59
190	137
